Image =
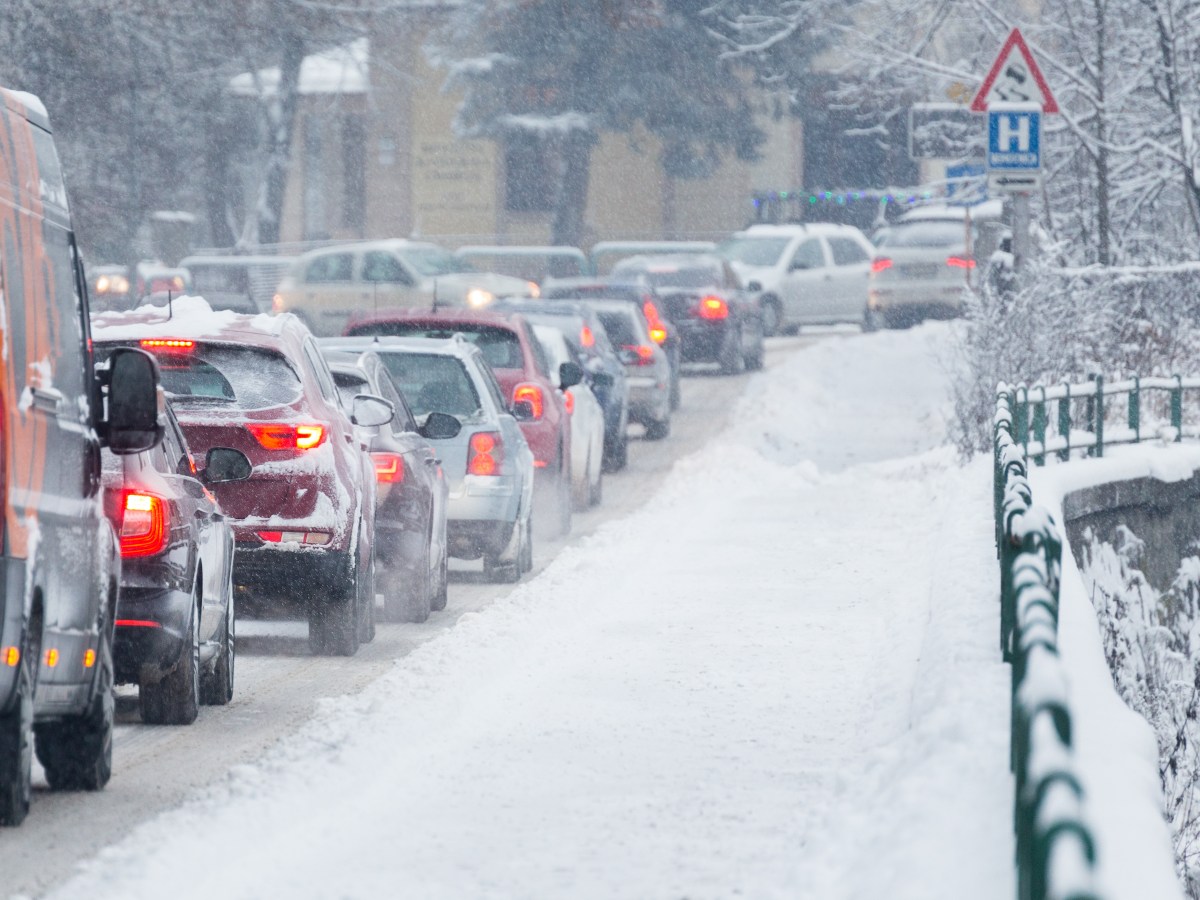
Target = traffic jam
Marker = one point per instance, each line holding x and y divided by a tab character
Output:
386	421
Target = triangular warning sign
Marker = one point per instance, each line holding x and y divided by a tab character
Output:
1014	78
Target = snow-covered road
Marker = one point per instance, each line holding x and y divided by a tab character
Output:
777	678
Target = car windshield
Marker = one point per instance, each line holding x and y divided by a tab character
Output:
753	251
246	377
676	276
501	347
431	261
925	234
433	383
572	326
552	342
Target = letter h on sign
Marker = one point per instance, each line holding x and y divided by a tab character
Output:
1014	139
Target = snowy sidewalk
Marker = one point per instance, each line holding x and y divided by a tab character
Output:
779	679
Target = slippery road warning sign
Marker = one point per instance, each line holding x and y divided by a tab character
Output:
1014	78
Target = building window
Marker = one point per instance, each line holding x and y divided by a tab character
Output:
528	166
354	173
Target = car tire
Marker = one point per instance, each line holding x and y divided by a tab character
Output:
676	390
871	320
333	621
731	360
596	489
175	698
441	590
366	603
754	359
526	558
216	687
772	315
16	743
656	431
616	453
76	753
581	492
499	569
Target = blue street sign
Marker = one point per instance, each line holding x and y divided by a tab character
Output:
966	184
1014	140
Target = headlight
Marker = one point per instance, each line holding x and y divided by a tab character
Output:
478	297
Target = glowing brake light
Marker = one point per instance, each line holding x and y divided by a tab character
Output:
11	656
486	454
957	262
586	338
287	437
389	468
880	263
658	333
569	402
533	394
650	311
640	353
175	344
713	308
143	525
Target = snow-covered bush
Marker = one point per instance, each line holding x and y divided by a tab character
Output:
1070	324
1152	642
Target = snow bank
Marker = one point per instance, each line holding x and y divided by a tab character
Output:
776	679
1115	749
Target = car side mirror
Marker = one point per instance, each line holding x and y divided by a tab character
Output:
754	287
602	380
569	375
522	411
136	421
224	464
370	411
440	427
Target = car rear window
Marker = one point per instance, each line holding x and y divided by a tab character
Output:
247	377
754	251
433	383
592	292
500	347
925	234
620	328
677	276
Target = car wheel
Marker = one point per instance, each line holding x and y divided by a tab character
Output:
676	390
581	491
441	591
504	569
656	431
596	489
366	604
527	547
871	320
732	362
76	753
216	687
16	740
616	453
333	621
772	315
175	698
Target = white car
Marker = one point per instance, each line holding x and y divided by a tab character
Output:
808	274
587	420
328	287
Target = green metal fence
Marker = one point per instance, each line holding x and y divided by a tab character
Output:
1064	417
1056	853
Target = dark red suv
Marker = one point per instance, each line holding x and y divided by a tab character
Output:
304	519
520	366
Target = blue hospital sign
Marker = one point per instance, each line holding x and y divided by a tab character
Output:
1014	140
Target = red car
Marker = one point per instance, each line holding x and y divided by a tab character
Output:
520	366
303	521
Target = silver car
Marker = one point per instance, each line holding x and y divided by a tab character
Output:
647	369
488	465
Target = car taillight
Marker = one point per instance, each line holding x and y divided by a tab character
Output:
639	355
389	468
713	308
277	304
533	394
650	310
486	454
658	333
569	402
143	525
172	345
586	338
880	263
287	437
958	262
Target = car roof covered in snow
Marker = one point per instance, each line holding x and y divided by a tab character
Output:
191	318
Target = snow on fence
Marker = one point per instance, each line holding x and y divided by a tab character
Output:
1056	851
1080	410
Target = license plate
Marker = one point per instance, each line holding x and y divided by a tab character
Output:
925	270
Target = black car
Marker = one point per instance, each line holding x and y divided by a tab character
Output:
717	321
175	634
637	291
411	549
605	372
